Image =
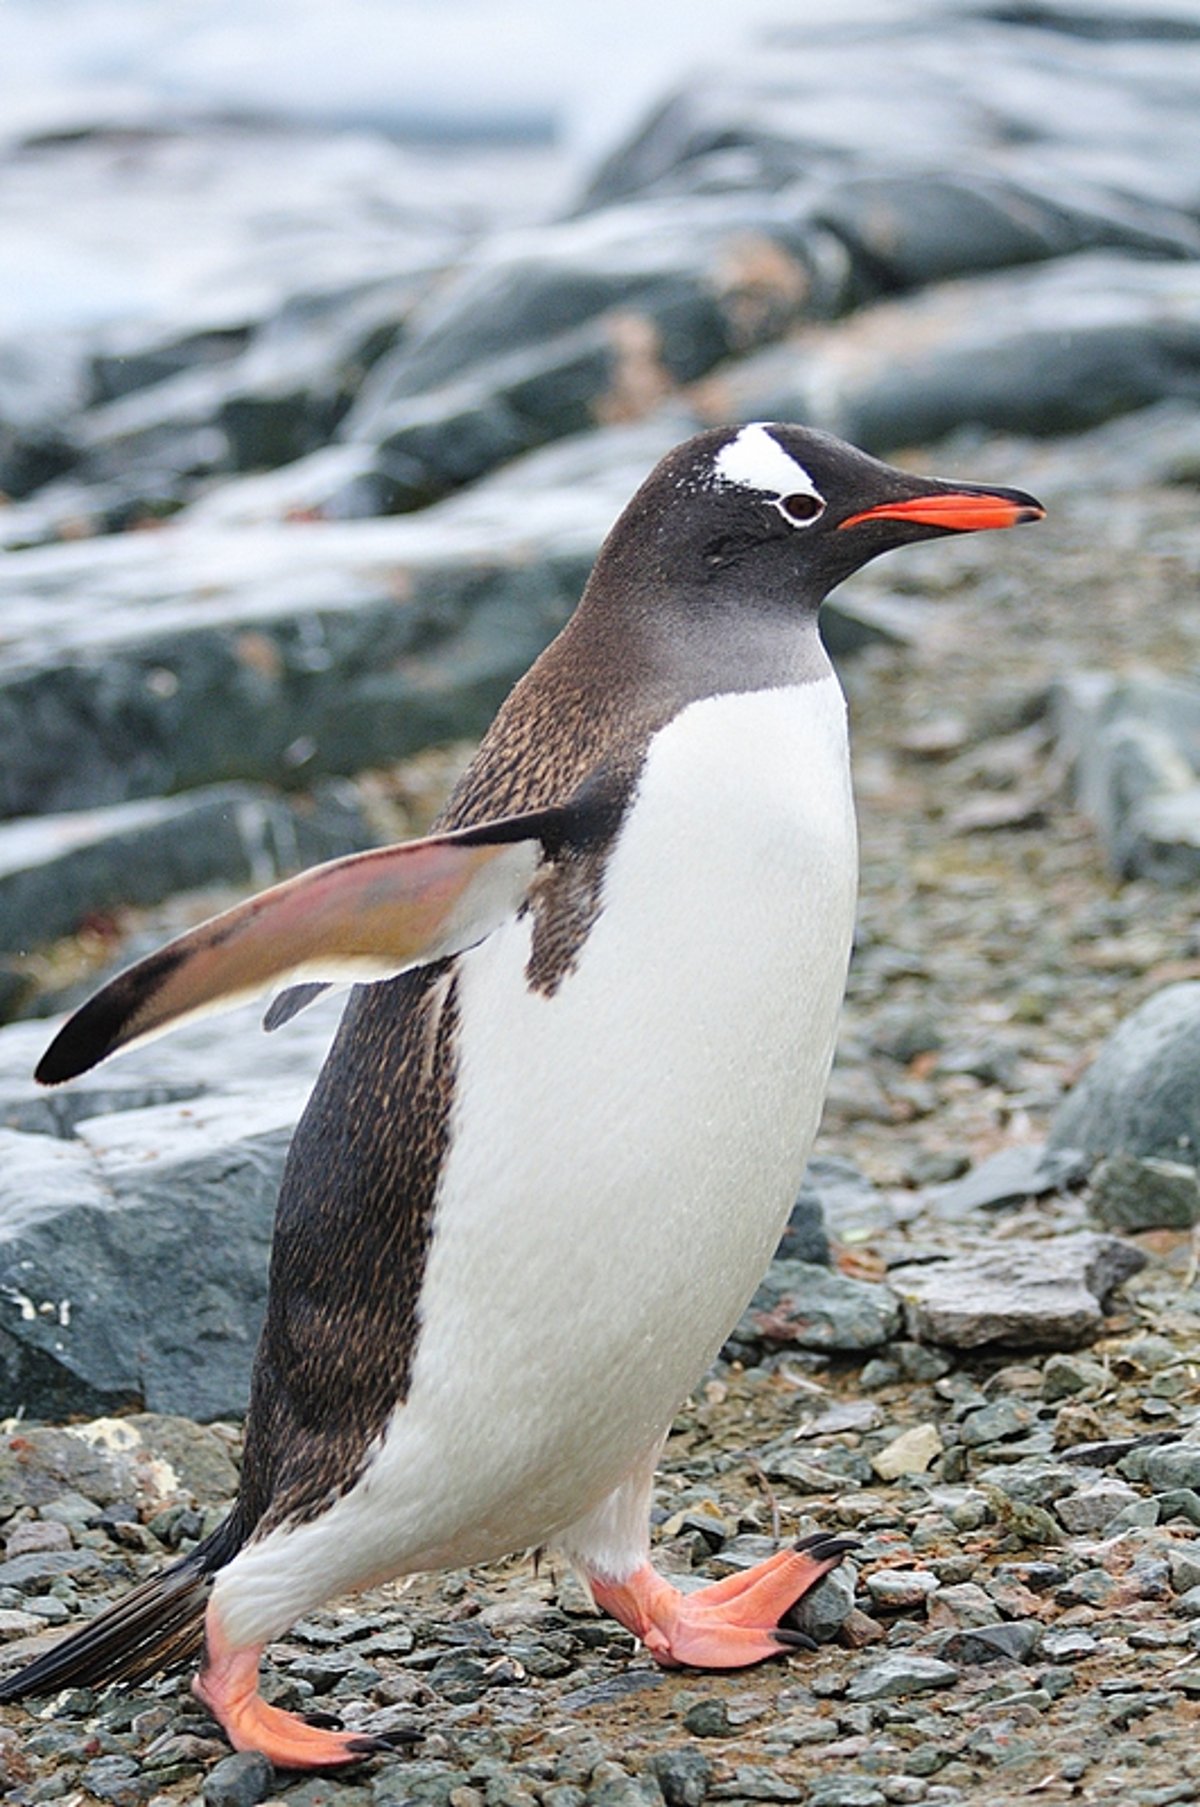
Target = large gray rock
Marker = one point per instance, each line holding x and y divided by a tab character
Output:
276	400
133	668
1057	348
1141	1095
1133	746
136	1208
1020	1294
147	1289
1077	93
43	388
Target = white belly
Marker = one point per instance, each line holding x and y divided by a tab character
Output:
626	1150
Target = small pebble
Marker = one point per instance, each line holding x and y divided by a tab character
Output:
898	1590
708	1718
896	1676
241	1780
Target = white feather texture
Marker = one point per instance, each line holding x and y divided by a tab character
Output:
754	459
625	1154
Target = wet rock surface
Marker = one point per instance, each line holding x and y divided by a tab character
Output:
1013	1105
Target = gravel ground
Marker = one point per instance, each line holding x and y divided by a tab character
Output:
1026	1611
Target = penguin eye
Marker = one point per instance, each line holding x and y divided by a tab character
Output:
801	509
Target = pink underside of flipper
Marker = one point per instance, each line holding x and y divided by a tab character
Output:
728	1624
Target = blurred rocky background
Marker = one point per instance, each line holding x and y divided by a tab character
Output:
330	345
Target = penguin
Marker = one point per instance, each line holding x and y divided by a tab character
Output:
570	1102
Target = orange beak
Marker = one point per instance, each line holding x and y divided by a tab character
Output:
959	511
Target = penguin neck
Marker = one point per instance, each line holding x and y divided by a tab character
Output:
624	666
683	644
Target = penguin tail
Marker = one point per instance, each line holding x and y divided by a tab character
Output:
159	1625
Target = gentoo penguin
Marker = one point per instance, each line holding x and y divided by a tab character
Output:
570	1102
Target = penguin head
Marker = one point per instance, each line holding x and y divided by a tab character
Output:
785	513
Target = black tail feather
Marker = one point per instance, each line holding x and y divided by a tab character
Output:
157	1626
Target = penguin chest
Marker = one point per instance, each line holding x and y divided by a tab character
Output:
626	1148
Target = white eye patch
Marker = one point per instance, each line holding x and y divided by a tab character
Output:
754	459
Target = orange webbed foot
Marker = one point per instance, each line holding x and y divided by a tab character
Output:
228	1686
731	1623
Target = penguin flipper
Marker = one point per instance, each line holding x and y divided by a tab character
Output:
369	916
291	1002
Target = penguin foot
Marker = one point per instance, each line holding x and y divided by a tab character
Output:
228	1686
730	1623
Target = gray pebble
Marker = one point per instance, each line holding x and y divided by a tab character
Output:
1014	1641
1174	1466
824	1609
613	1786
683	1775
708	1718
896	1590
901	1674
846	1791
1067	1376
1129	1193
1088	1511
119	1780
1067	1645
1184	1561
241	1780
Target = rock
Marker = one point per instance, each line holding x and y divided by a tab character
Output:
899	1590
119	1780
1013	1642
17	1624
846	1791
1133	745
804	1239
850	1204
33	1535
1022	1294
708	1718
300	649
241	1780
146	1459
962	1604
1147	1194
698	280
1175	1466
58	871
101	1313
813	1308
40	1569
900	1675
996	1422
823	1610
1069	1376
43	387
1067	1645
1021	353
1086	1513
1029	1170
909	1453
1139	1096
683	1774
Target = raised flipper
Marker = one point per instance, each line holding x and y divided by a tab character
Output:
367	917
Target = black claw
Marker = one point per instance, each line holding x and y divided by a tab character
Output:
823	1547
794	1640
